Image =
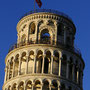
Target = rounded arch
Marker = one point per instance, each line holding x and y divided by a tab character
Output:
46	80
16	65
14	87
47	62
37	85
37	50
32	27
29	85
9	87
11	68
63	65
39	61
31	61
54	85
23	62
45	36
56	62
21	85
45	85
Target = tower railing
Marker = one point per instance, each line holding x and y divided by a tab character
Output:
46	11
53	43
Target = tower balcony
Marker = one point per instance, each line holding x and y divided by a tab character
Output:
46	41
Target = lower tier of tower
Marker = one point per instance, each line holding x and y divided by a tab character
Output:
43	67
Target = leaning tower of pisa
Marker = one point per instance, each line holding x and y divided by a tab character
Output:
44	56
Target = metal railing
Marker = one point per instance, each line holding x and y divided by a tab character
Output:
48	42
47	11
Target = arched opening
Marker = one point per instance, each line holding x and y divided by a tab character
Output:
21	86
37	85
29	85
45	85
23	63
70	68
63	65
47	62
32	28
39	61
16	65
11	68
54	85
45	37
23	39
14	87
60	29
31	62
9	88
56	63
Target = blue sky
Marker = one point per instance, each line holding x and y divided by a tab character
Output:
78	10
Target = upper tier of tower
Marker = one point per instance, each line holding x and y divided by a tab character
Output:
46	26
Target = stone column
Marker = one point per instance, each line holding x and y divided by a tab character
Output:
19	69
36	32
41	86
67	71
43	64
17	87
49	87
32	86
78	76
34	66
51	64
59	66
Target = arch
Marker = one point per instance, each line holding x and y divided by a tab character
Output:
31	61
39	61
23	63
29	85
16	65
54	85
63	65
37	85
9	87
45	36
56	63
21	85
46	85
11	67
47	62
14	87
60	29
32	27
